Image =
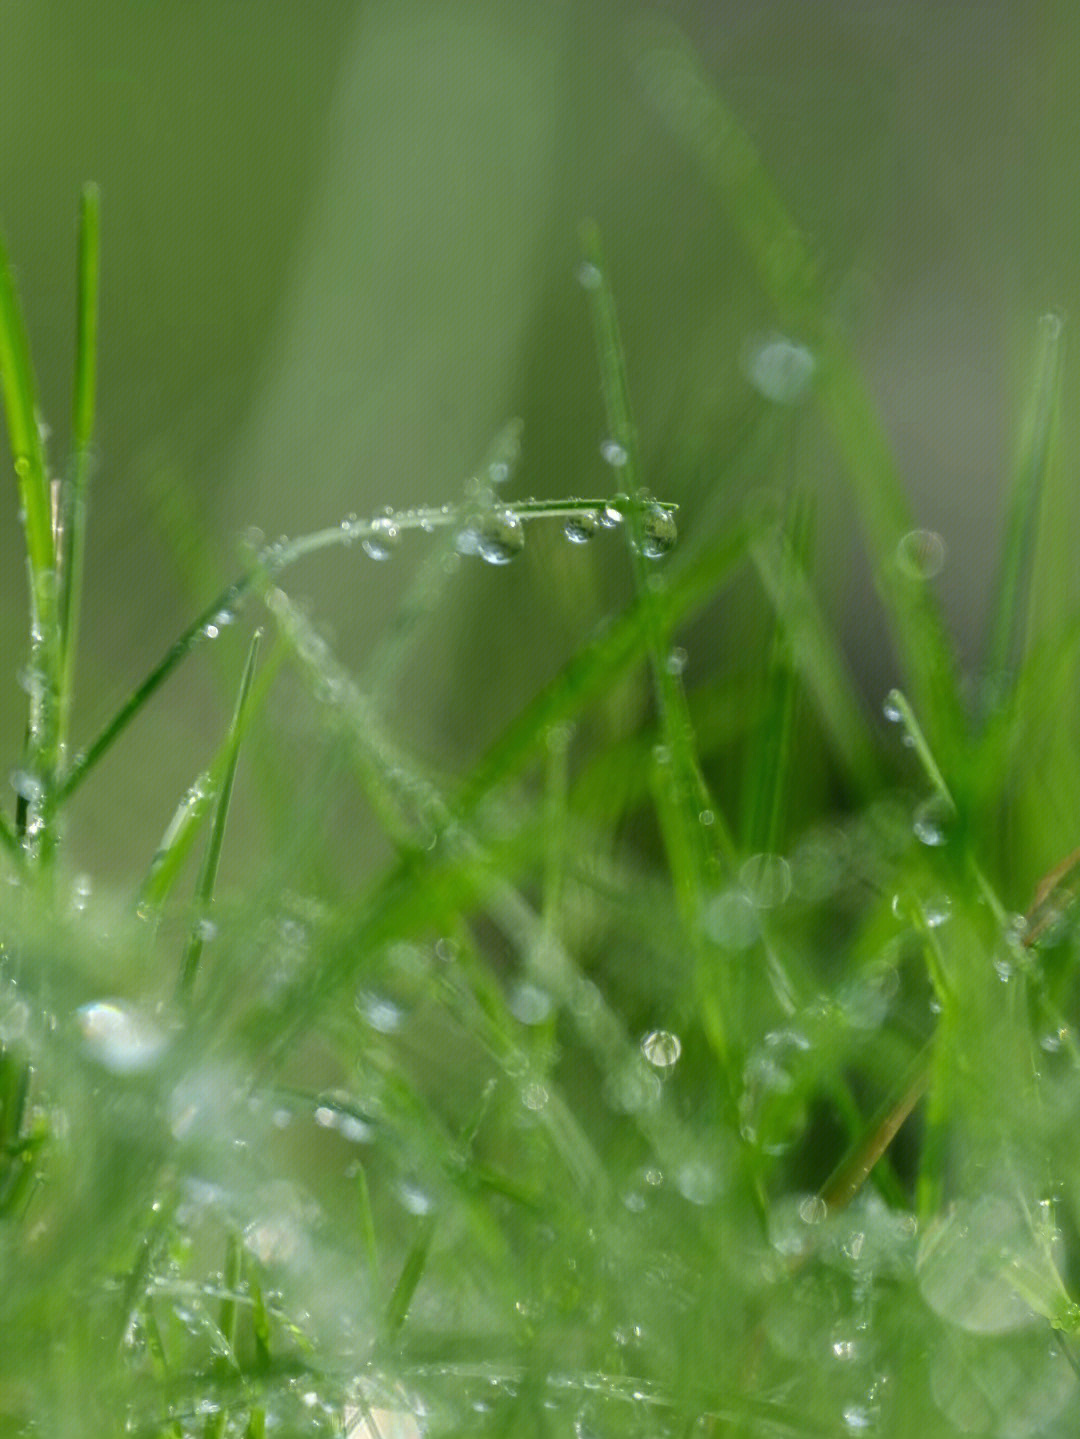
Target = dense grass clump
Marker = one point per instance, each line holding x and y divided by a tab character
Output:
690	1067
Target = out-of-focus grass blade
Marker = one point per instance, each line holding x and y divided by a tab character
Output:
411	1274
204	889
84	394
689	103
1029	488
817	657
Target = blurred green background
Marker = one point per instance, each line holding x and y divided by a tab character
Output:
339	252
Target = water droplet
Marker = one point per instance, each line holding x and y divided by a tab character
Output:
675	664
813	1209
580	529
382	1014
613	454
659	534
611	516
931	820
529	1004
119	1038
891	707
921	554
779	368
697	1181
497	536
632	1089
936	910
588	276
534	1096
964	1266
731	921
706	818
661	1048
766	880
414	1198
383	538
27	786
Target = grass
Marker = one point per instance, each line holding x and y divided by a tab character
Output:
643	1090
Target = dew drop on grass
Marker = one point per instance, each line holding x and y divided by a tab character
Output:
661	1048
779	368
588	276
659	534
766	880
529	1004
921	554
931	820
610	516
613	454
580	529
731	921
380	1013
675	664
534	1096
497	537
891	707
27	786
119	1037
383	539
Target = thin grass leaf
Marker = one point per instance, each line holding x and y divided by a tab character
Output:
365	1218
1012	593
197	800
84	395
688	102
818	658
412	1272
204	889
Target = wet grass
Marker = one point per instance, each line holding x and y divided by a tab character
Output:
688	1068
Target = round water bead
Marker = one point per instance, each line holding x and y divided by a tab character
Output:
382	540
921	554
779	368
580	529
497	536
658	532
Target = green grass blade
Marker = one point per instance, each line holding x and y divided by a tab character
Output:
695	850
411	1273
73	517
23	422
204	889
690	105
1018	555
196	803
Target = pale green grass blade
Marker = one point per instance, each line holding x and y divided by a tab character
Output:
204	889
84	400
1012	593
689	103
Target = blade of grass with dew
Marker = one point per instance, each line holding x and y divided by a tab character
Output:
83	406
204	889
412	1272
215	1424
275	558
818	659
197	801
689	103
696	854
31	473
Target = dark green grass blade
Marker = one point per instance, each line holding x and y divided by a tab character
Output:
204	889
84	397
689	103
412	1272
1018	560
